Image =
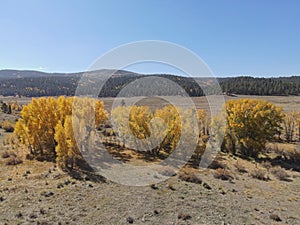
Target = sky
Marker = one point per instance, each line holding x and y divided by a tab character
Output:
233	37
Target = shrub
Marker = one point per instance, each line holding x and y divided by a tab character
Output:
275	217
286	151
259	174
189	176
222	174
11	140
295	155
240	168
184	216
280	173
14	161
167	171
8	154
266	165
8	126
29	156
217	163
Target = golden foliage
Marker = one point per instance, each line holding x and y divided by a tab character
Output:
46	125
161	130
173	126
15	106
253	123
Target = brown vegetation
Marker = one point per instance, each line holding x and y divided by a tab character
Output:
189	175
222	174
8	126
260	174
167	171
240	167
7	154
280	173
14	160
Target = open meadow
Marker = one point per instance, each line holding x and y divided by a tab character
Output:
288	103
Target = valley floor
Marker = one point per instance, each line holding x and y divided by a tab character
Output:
39	193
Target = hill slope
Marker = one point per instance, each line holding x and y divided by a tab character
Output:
35	84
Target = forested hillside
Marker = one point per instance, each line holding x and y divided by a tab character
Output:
35	84
261	86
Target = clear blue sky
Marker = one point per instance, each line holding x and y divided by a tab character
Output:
255	37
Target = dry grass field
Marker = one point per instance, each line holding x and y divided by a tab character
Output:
288	103
234	191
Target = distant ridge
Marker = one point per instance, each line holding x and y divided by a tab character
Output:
35	84
11	74
8	74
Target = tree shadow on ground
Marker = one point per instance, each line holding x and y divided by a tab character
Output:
118	152
150	157
217	162
84	175
125	154
285	163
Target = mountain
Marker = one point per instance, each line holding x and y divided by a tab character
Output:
14	74
36	84
10	74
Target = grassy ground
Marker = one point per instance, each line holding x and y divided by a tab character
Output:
288	103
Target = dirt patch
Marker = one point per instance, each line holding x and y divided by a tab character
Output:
38	192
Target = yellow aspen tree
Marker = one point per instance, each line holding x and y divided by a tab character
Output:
253	123
61	147
64	107
88	113
139	122
22	130
170	115
40	118
33	117
100	113
73	153
120	119
289	125
203	126
297	119
15	106
188	136
158	131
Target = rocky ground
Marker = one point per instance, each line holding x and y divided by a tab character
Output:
39	193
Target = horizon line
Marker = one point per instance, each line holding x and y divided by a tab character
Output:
155	73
